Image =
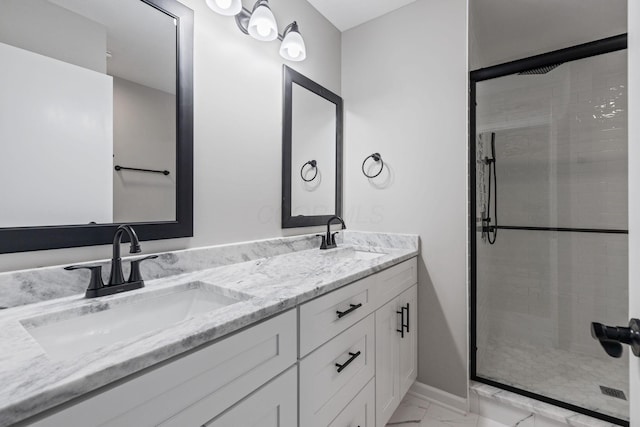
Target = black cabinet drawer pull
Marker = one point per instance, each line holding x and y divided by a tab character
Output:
353	307
351	359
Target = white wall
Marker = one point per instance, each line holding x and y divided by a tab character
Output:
58	171
144	136
404	85
634	195
238	114
50	30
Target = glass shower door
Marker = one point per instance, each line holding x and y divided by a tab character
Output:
551	250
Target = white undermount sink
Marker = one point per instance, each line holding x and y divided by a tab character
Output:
69	334
351	253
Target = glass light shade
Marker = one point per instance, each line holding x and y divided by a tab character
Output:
225	7
292	47
262	25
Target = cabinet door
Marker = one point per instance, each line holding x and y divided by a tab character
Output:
387	355
408	361
274	405
360	411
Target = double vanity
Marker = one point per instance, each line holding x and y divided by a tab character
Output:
267	333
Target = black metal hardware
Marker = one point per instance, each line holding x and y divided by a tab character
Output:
587	50
116	284
329	241
612	337
134	275
323	245
121	168
377	158
353	307
95	283
314	165
564	229
408	316
116	277
348	362
403	325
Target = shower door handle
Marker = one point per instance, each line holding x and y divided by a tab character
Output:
612	337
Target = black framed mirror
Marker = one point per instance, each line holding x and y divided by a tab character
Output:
75	161
311	152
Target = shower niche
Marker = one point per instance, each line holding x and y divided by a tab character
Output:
548	160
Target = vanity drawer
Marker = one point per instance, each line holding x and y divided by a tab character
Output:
324	391
193	389
360	412
395	280
327	316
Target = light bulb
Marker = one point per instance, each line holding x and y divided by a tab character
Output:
292	47
263	28
225	7
262	24
294	51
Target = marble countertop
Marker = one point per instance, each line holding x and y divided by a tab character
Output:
33	381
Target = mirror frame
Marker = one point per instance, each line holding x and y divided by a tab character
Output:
290	77
22	239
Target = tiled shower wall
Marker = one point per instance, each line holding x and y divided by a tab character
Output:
561	149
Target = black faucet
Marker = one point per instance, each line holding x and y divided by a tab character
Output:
329	240
116	284
116	277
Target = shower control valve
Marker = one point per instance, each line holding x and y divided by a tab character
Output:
612	337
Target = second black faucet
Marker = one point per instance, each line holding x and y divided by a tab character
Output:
329	240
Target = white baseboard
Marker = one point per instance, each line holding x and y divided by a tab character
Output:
439	397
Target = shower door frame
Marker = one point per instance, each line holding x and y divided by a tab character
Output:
582	51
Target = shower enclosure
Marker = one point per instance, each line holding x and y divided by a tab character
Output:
548	184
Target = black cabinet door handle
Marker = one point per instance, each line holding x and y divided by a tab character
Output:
403	326
407	318
353	307
401	330
348	362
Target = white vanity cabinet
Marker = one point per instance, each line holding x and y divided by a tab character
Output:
359	324
338	360
396	352
192	390
274	405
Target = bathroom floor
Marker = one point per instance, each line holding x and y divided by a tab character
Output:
558	374
415	412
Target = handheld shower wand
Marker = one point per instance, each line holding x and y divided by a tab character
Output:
491	231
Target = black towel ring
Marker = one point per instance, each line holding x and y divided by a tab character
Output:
377	158
314	165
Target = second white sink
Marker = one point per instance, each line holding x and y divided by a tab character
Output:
69	334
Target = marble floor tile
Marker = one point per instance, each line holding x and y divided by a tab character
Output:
416	412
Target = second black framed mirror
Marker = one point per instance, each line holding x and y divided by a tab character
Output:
311	152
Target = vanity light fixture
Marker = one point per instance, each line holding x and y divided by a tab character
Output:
225	7
292	46
260	24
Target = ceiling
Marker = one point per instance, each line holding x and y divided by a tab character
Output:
505	30
346	14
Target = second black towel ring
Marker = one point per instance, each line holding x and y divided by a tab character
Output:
377	158
314	165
